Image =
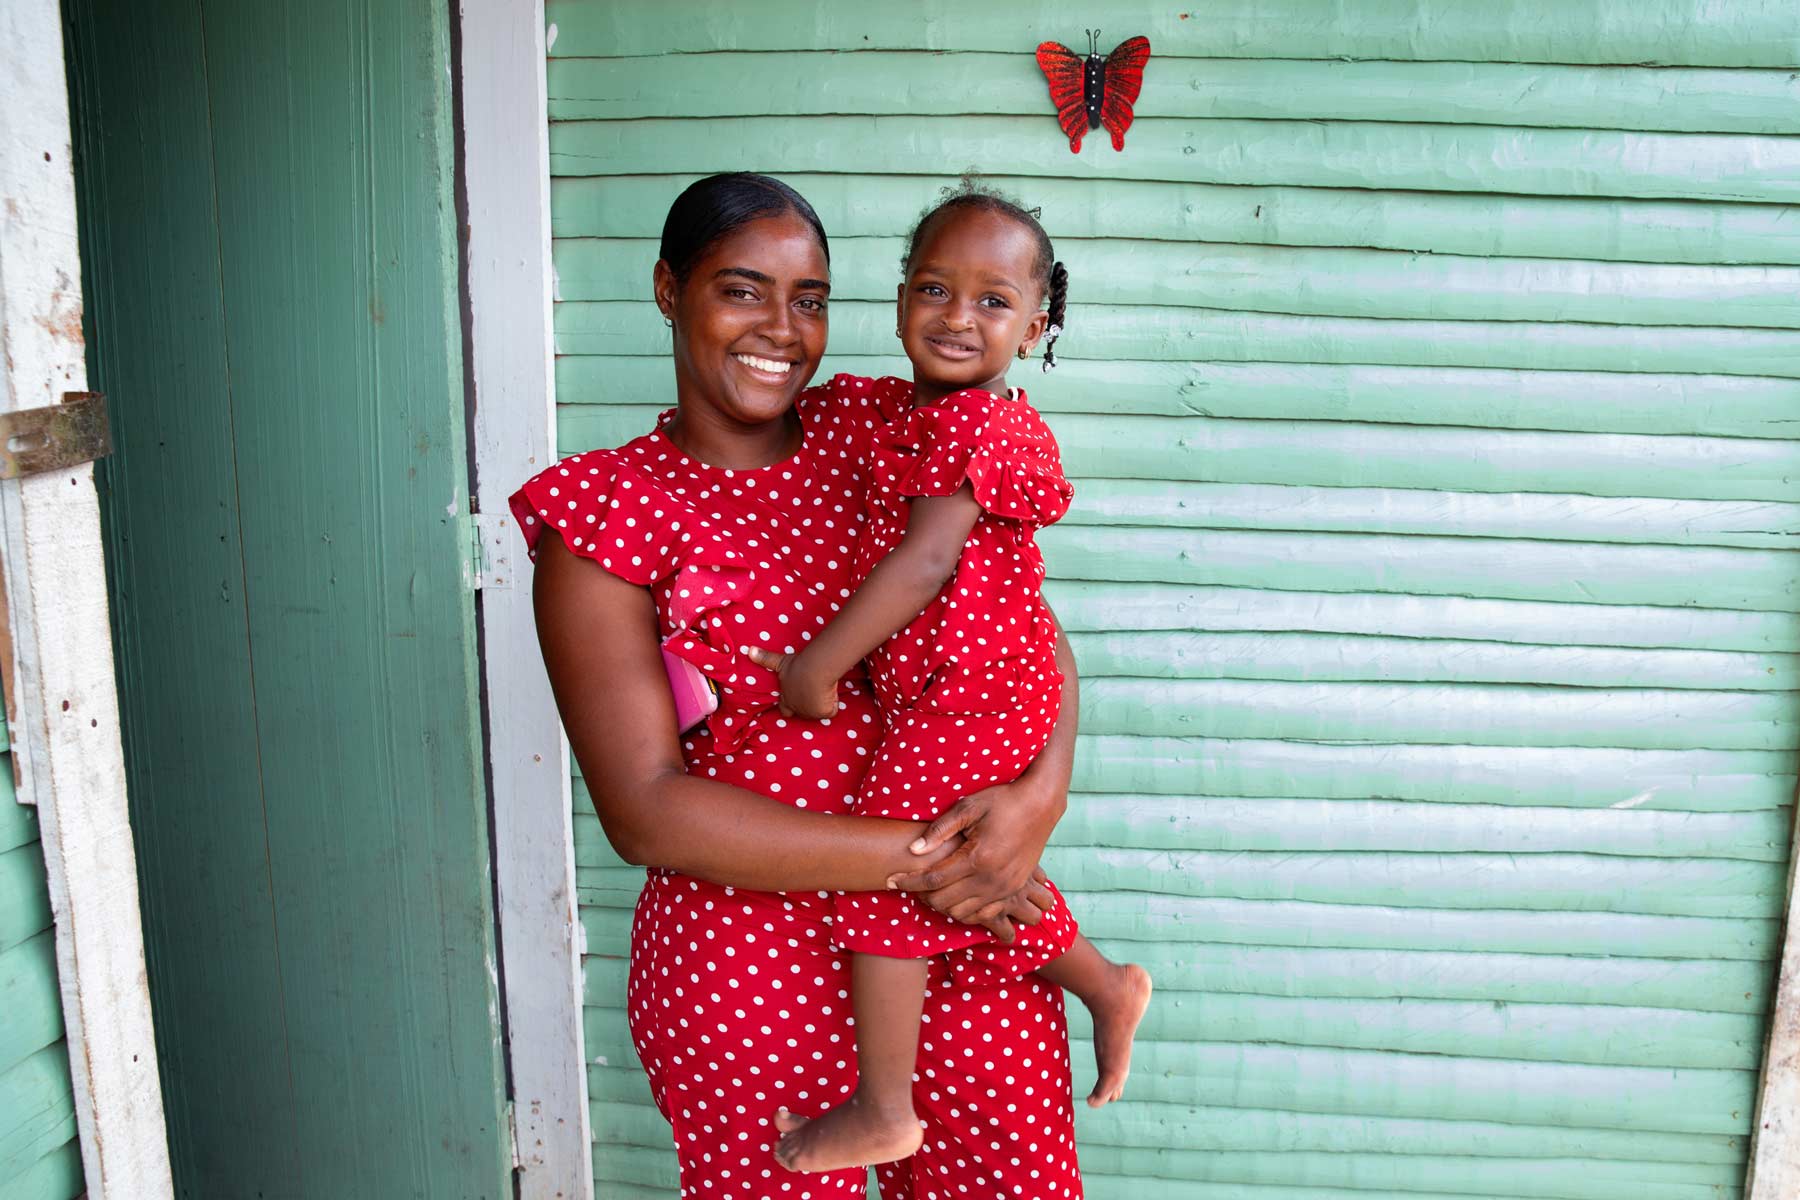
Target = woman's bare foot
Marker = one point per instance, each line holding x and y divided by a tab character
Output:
1116	1012
854	1134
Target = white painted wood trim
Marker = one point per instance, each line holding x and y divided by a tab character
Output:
1774	1172
66	736
506	156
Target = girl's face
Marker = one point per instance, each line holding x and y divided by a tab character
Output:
969	302
750	320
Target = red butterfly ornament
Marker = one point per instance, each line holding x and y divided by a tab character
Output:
1094	92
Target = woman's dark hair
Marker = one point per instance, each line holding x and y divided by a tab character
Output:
711	208
1052	277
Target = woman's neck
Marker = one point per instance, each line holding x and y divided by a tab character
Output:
707	436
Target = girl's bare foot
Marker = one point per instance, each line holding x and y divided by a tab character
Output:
854	1134
1116	1012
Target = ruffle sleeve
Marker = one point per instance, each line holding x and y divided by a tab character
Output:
1000	446
603	510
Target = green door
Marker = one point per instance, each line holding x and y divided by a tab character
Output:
1430	384
269	236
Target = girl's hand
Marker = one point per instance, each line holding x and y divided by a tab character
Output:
801	696
1025	907
1004	831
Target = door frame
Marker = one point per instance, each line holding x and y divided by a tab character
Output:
62	702
512	424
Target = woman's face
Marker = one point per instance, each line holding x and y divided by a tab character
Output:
750	319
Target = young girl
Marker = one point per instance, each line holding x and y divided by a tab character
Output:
960	647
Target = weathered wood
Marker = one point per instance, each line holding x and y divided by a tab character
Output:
29	1000
506	182
1201	334
1123	917
1313	281
1349	562
1095	606
1481	398
1449	158
898	82
1740	33
39	1107
1467	714
1622	229
1358	455
66	735
1169	654
1563	777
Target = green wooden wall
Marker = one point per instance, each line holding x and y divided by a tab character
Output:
1432	384
40	1156
269	248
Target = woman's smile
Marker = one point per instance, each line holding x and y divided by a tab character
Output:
774	371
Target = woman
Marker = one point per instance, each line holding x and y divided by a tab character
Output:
732	524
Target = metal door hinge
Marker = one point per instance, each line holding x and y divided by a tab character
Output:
493	551
55	437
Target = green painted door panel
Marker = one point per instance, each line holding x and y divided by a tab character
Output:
269	242
1429	387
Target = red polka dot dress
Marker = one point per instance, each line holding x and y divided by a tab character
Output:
738	1001
969	690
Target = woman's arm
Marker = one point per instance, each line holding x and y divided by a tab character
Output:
1004	829
896	591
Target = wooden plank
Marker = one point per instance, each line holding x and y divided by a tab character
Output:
39	1107
1096	607
29	1000
1273	823
1590	401
1306	656
24	902
1119	917
1466	714
1761	580
1620	229
1698	985
1739	33
1338	282
1277	823
1560	777
56	1174
1425	157
1190	334
1362	455
899	82
1537	515
66	737
505	179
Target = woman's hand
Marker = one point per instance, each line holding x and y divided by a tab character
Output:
1004	831
801	695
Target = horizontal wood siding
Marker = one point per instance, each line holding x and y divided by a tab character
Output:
40	1155
1433	394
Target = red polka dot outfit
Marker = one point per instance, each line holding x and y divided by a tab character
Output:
738	1001
969	690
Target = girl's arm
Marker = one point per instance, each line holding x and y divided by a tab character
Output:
1005	828
896	591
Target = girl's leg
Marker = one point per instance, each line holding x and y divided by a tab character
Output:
877	1124
1116	994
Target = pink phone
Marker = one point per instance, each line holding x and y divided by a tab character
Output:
695	696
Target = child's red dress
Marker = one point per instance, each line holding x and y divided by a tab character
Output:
969	691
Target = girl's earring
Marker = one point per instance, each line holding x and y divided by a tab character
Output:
1024	353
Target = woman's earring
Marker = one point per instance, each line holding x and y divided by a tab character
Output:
669	321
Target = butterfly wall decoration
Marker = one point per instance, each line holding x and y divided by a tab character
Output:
1094	92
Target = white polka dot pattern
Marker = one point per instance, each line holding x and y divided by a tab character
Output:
738	1001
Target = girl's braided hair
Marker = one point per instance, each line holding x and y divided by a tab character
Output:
1052	277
